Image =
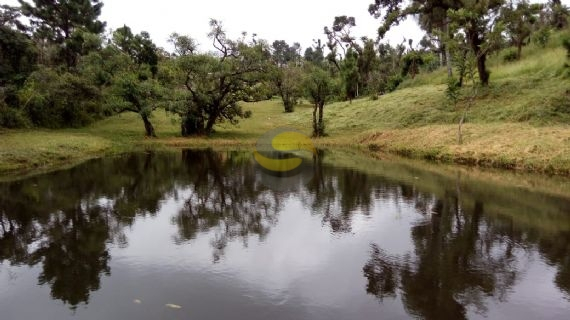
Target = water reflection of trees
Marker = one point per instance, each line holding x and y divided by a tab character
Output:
225	194
66	221
337	194
461	257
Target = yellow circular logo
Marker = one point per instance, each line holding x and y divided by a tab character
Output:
280	151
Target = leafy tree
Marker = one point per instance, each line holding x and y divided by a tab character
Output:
433	18
288	80
367	62
454	94
133	93
320	89
350	75
315	54
339	35
520	21
475	18
284	54
139	47
478	22
56	21
411	63
134	87
286	74
559	14
183	45
216	83
56	100
386	77
17	51
18	57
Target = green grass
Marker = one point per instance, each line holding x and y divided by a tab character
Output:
521	121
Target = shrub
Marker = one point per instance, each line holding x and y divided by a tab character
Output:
12	117
52	100
566	44
510	55
542	36
393	82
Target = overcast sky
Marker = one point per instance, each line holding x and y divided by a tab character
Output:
292	20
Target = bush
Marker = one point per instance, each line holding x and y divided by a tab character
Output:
566	44
52	100
393	82
12	117
510	55
542	36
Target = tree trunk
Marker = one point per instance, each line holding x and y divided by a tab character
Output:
448	62
519	50
459	129
448	58
148	127
210	124
464	115
482	68
315	124
481	57
462	67
321	124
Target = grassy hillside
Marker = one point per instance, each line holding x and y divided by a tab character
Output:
521	121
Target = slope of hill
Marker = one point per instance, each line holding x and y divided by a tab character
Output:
521	121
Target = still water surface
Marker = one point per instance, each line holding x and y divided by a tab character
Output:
198	235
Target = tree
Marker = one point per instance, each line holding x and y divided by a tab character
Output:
134	87
134	93
139	47
315	54
319	88
453	91
288	80
349	74
286	74
216	83
283	53
433	18
17	52
559	14
367	62
478	21
339	35
183	45
475	18
56	21
519	22
18	57
57	100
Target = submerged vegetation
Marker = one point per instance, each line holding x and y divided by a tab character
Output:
488	85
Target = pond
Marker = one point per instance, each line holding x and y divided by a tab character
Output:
207	235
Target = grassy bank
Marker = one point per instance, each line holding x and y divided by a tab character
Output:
521	121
